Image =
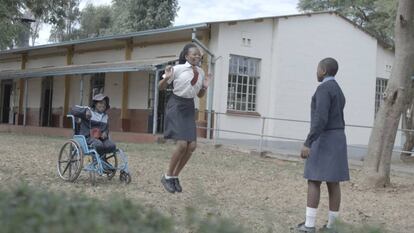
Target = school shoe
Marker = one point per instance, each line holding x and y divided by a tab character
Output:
177	185
301	228
168	184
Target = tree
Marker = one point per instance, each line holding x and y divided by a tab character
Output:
397	97
96	21
377	16
35	26
66	23
45	11
122	16
138	15
9	23
35	30
11	12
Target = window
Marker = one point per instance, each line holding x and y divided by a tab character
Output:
242	85
97	84
381	85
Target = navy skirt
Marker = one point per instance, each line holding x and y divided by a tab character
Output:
179	121
328	159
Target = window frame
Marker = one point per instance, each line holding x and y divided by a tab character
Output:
242	84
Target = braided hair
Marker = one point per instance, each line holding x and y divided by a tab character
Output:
187	47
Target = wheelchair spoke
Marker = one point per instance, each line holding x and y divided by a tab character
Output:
70	161
111	156
74	160
69	165
66	168
70	170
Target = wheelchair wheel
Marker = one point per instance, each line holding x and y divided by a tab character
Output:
113	161
70	161
125	177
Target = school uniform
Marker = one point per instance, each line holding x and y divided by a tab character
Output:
328	159
179	122
97	121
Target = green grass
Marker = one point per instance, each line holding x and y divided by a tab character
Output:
26	209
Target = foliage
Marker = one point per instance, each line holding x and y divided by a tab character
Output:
377	16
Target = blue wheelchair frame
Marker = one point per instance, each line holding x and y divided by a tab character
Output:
98	165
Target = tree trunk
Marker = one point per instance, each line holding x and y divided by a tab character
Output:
377	164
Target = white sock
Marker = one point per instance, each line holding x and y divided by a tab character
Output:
332	216
169	177
310	217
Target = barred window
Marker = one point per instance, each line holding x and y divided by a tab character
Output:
244	73
381	85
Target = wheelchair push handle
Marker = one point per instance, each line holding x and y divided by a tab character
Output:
72	119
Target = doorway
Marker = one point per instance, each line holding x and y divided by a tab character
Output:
6	91
46	102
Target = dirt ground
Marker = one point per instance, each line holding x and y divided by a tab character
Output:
258	193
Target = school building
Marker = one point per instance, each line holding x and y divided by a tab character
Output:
263	67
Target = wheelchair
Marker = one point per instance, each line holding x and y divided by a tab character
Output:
75	152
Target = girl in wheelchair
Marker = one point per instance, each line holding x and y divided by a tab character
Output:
92	131
94	124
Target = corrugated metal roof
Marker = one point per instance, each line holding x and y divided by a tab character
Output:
126	66
105	38
181	28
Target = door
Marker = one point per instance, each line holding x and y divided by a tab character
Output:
46	104
163	97
6	90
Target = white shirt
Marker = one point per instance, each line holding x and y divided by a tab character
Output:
96	116
182	76
328	78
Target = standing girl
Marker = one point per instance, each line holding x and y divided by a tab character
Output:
325	147
189	81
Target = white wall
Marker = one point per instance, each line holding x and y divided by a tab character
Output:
10	65
138	90
113	89
302	43
34	87
162	50
53	61
75	91
112	55
226	40
58	98
290	49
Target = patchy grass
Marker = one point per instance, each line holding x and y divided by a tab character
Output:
264	195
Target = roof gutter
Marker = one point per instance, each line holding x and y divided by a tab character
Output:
210	90
199	43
